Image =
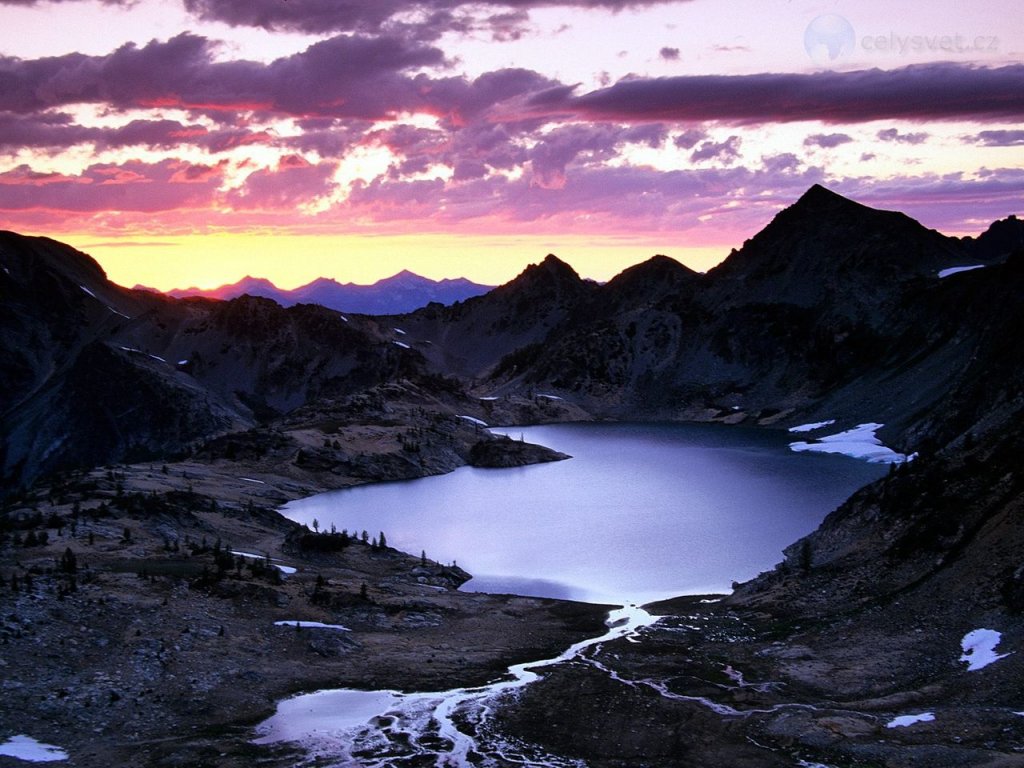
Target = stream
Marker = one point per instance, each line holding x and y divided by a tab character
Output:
347	727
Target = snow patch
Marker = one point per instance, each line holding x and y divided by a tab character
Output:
487	398
955	270
401	344
549	397
88	291
248	554
285	569
979	648
185	362
122	314
251	480
345	319
398	331
904	720
472	420
310	625
28	749
157	357
812	426
858	443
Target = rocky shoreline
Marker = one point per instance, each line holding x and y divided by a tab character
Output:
133	634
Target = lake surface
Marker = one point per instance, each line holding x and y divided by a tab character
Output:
641	511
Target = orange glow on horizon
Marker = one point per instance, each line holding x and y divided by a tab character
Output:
212	260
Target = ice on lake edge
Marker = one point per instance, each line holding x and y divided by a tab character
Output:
860	442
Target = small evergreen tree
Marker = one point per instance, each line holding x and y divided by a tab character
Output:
68	562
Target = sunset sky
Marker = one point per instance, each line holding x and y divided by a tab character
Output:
192	142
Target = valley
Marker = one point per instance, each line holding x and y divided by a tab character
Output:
151	437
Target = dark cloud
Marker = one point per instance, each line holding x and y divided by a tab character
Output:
688	139
939	91
1004	138
550	156
58	130
893	135
725	151
372	78
349	76
827	140
428	17
786	162
669	54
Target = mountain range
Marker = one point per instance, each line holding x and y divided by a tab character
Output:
834	312
403	292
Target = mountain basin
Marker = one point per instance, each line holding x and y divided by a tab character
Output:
641	512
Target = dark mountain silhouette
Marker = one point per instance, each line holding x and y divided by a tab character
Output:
95	373
469	338
1000	239
403	292
834	310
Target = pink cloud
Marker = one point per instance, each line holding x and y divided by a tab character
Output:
294	182
130	186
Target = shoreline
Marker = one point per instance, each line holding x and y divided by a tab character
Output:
158	652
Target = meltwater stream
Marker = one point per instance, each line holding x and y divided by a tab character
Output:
349	727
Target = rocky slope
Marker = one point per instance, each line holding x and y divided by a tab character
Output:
834	310
94	373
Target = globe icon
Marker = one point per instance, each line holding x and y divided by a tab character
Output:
828	39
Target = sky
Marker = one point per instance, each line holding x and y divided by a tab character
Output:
192	142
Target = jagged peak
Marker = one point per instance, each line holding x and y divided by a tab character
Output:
556	266
552	271
818	192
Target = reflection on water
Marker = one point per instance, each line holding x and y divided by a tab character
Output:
641	511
